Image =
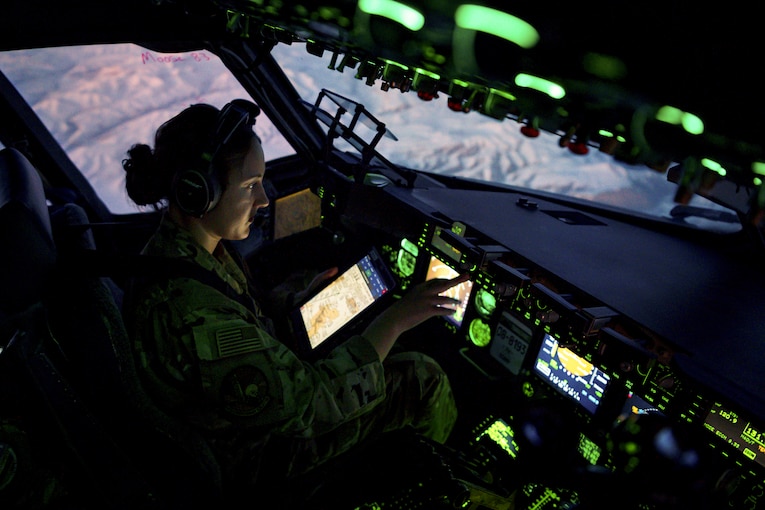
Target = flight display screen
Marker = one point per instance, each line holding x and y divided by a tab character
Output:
570	374
737	431
460	292
502	434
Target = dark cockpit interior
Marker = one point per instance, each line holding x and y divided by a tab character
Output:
603	357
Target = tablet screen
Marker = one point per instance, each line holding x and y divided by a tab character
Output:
345	298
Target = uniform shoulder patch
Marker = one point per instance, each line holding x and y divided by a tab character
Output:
244	391
238	340
214	342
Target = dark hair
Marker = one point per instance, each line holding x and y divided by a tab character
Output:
178	146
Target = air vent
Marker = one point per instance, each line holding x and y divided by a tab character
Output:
574	218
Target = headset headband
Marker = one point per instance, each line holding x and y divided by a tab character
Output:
197	190
236	113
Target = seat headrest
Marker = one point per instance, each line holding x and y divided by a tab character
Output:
71	229
27	251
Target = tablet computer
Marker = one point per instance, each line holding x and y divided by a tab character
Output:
321	320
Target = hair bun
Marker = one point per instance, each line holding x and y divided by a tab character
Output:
141	181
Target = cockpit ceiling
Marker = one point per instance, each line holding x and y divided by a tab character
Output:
651	82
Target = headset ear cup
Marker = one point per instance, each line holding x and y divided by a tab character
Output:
195	192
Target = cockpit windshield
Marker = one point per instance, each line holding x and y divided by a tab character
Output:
431	137
98	100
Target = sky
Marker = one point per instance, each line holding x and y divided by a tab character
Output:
97	101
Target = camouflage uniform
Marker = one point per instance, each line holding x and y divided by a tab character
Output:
213	362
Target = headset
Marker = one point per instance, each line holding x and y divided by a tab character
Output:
196	191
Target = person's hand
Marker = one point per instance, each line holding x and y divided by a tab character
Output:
423	301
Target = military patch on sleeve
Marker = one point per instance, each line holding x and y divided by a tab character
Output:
214	342
244	391
233	341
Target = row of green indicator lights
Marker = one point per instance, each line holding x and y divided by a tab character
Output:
468	16
518	31
509	27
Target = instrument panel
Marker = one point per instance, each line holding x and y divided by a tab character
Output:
620	387
566	391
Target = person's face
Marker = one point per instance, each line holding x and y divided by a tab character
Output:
242	196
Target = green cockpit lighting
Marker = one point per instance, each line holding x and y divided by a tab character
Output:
406	263
393	71
407	257
589	450
485	302
714	166
690	122
479	333
548	87
670	115
605	133
498	23
410	246
424	73
693	124
398	12
502	434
